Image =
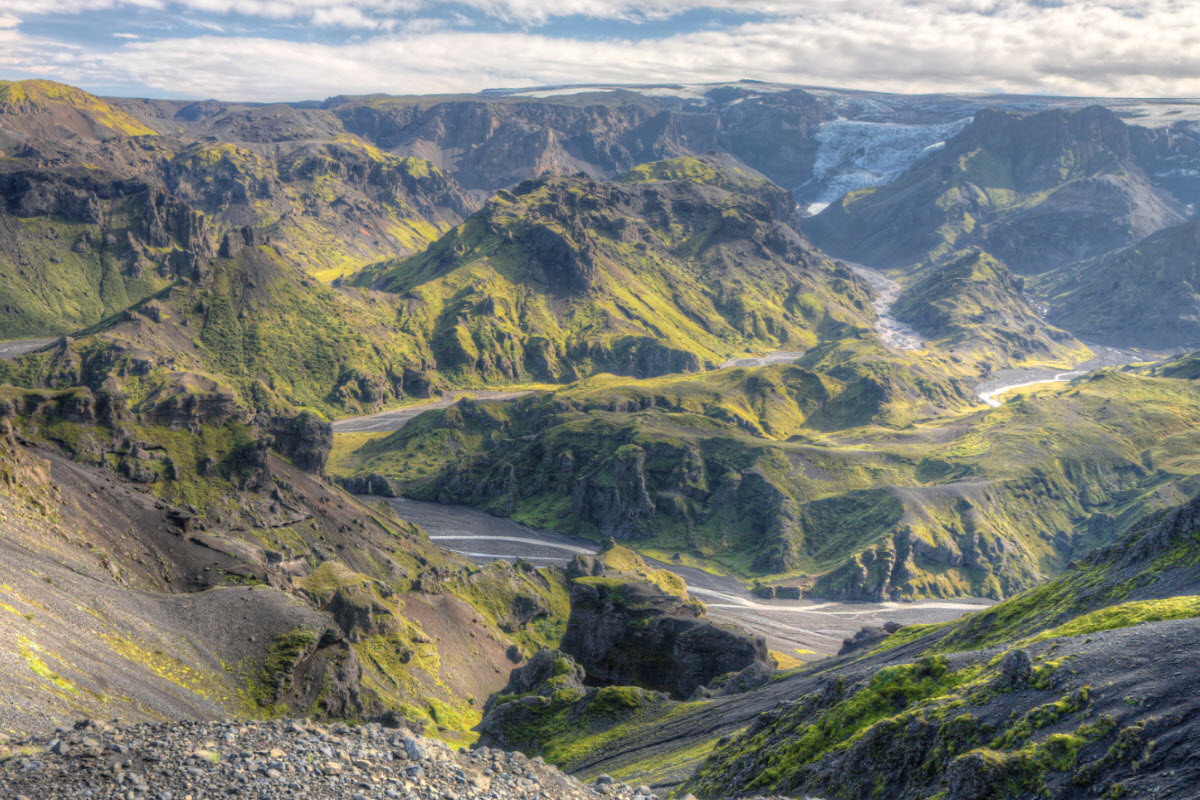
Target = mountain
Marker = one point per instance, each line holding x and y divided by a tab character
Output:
562	277
36	110
1141	295
859	475
250	320
974	304
1076	688
1036	192
169	554
490	142
99	212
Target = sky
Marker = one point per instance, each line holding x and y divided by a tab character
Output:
273	50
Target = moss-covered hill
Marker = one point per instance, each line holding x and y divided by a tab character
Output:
171	554
1077	688
868	478
1144	294
974	305
239	309
35	110
271	336
99	211
566	276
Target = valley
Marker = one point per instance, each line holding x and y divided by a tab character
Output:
802	630
572	422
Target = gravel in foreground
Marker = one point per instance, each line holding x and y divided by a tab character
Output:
278	759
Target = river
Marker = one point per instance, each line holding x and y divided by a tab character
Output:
895	333
1006	380
803	629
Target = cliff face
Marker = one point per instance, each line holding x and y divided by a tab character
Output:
490	144
633	641
983	707
100	211
630	633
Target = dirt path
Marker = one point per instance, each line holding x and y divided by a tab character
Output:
396	419
22	346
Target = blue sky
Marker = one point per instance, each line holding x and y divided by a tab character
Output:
309	49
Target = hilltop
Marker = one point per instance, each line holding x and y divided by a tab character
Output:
564	276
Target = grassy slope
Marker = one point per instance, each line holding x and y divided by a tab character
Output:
332	207
565	277
1149	575
45	107
108	211
976	307
437	628
783	471
51	288
276	337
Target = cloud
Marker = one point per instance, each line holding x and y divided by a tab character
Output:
126	36
1079	47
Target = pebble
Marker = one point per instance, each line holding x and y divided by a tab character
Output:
278	760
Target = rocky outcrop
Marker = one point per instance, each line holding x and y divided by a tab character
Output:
490	144
546	673
617	500
372	484
327	678
635	634
868	638
306	439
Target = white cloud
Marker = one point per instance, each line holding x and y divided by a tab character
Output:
1081	47
126	36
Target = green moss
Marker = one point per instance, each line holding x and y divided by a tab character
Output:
32	97
30	652
282	654
1124	615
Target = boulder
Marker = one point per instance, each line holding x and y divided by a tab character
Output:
633	633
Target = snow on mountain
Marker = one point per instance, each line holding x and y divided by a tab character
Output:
852	154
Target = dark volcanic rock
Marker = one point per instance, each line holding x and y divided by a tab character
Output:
633	633
305	439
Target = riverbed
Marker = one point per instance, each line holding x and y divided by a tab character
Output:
1006	380
802	629
894	333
